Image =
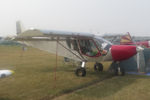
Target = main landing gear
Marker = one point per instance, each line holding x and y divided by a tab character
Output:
81	71
98	67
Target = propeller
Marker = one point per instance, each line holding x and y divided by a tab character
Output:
139	49
138	60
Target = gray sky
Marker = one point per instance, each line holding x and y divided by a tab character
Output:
102	16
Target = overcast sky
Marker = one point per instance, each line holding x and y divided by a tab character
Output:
102	16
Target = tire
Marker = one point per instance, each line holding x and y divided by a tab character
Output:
98	67
122	70
116	73
80	72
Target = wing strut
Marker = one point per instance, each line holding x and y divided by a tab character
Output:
71	52
55	68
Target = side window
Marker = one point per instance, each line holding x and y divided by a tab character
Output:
72	44
75	45
88	48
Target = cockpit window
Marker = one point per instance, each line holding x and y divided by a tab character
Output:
88	47
103	45
72	44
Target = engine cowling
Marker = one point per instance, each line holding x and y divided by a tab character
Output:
122	52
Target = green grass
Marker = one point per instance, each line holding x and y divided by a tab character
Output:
129	87
34	77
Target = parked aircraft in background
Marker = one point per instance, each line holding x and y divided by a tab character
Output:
78	46
127	40
5	73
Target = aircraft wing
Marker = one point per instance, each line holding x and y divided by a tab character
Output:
64	43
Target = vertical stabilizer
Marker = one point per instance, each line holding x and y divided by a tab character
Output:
126	39
19	27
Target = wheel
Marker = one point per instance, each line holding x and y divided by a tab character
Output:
122	70
116	72
80	72
98	67
115	67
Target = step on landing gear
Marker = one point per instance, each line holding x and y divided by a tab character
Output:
81	71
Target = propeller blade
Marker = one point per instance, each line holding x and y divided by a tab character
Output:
138	61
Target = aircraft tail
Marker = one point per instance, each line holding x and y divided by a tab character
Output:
126	39
19	27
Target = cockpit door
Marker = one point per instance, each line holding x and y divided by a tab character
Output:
88	48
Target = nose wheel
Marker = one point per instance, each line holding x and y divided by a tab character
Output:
122	70
81	71
117	69
98	67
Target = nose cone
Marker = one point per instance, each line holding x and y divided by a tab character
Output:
122	52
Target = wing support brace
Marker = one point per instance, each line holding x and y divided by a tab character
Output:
82	59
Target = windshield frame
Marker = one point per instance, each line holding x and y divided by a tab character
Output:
102	43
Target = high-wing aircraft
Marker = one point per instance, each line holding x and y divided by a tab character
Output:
78	46
127	40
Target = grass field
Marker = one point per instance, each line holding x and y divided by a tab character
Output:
34	76
34	79
116	88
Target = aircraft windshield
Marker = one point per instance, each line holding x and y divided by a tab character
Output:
103	45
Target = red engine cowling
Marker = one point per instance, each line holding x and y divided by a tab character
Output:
122	52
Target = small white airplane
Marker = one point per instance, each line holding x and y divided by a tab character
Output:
5	73
78	46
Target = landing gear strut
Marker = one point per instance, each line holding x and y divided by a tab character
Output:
122	70
117	69
98	67
81	71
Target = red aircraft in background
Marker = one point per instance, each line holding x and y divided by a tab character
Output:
127	40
